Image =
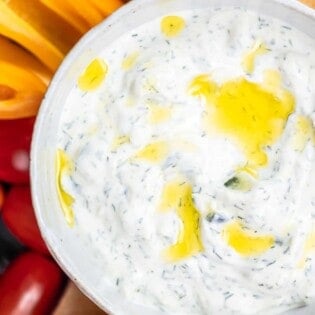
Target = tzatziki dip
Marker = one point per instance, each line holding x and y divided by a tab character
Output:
186	154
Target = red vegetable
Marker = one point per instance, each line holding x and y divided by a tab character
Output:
10	248
1	196
15	141
18	215
30	286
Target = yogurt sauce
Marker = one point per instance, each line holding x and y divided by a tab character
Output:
185	155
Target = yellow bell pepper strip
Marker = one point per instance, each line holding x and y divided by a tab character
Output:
64	10
310	3
21	92
19	79
55	29
24	104
20	31
6	92
14	54
87	11
107	7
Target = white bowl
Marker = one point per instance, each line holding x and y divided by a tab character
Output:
69	248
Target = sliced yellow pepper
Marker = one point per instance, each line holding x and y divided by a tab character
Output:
56	30
16	28
107	7
21	92
87	11
14	54
65	10
20	79
310	3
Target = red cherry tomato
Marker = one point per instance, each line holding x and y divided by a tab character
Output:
10	248
1	196
15	141
31	285
18	215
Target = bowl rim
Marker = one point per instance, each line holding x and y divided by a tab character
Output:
53	87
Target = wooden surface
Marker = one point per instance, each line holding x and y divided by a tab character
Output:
74	302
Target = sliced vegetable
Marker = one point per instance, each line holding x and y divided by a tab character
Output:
18	215
19	78
10	247
55	29
15	141
64	10
87	11
14	54
30	286
107	7
232	183
21	92
16	28
310	3
242	182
